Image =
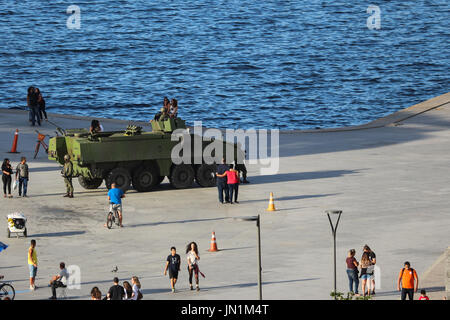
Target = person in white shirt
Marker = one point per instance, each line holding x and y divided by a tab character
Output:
59	280
136	295
192	259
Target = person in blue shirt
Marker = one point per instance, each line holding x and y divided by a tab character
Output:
115	196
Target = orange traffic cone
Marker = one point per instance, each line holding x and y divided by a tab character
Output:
271	206
213	247
14	146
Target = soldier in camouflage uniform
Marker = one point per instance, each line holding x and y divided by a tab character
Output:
67	172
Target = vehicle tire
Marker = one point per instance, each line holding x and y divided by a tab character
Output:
145	178
121	177
182	176
25	233
8	233
90	183
206	175
109	220
7	290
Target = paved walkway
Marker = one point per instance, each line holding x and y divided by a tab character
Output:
391	182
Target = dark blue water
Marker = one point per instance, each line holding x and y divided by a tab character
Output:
249	64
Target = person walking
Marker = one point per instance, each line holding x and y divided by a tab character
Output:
67	173
136	295
115	196
352	271
22	173
222	185
32	264
41	105
408	281
7	171
192	259
59	280
173	265
116	292
373	261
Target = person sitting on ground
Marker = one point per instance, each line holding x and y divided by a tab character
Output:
173	108
96	294
116	292
59	280
96	127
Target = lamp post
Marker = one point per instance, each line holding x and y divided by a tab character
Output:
258	225
333	231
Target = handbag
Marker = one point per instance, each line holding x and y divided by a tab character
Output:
14	186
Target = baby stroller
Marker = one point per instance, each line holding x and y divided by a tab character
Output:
16	224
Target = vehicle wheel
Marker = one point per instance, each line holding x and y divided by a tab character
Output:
8	233
121	177
90	183
145	178
7	290
109	220
182	176
25	233
206	175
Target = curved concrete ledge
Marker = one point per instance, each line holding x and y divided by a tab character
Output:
391	119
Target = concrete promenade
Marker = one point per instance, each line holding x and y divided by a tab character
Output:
390	178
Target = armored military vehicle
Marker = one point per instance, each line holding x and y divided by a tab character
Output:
134	157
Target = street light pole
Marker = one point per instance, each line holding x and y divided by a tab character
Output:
258	224
333	231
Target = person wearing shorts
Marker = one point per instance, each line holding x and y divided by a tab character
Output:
115	196
173	265
32	264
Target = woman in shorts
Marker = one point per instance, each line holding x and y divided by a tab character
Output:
366	273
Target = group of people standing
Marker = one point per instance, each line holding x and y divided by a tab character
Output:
36	106
129	291
367	266
22	175
228	179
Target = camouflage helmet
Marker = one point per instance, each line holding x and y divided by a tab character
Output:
66	157
163	110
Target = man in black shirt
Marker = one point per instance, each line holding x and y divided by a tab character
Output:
222	182
173	264
116	292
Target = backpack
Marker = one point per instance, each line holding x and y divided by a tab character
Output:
140	296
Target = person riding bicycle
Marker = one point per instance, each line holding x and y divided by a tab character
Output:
115	196
67	173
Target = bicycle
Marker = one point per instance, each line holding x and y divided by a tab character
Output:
6	290
113	216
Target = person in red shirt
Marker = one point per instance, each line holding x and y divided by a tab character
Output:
423	295
233	183
407	277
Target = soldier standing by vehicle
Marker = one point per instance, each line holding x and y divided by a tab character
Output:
67	172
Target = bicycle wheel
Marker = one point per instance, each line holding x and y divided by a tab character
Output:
109	221
7	290
36	150
116	214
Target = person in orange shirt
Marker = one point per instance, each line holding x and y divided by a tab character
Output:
407	278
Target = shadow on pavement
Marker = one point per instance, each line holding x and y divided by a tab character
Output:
287	198
57	234
171	222
283	177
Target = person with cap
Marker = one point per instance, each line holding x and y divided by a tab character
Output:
67	173
406	280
